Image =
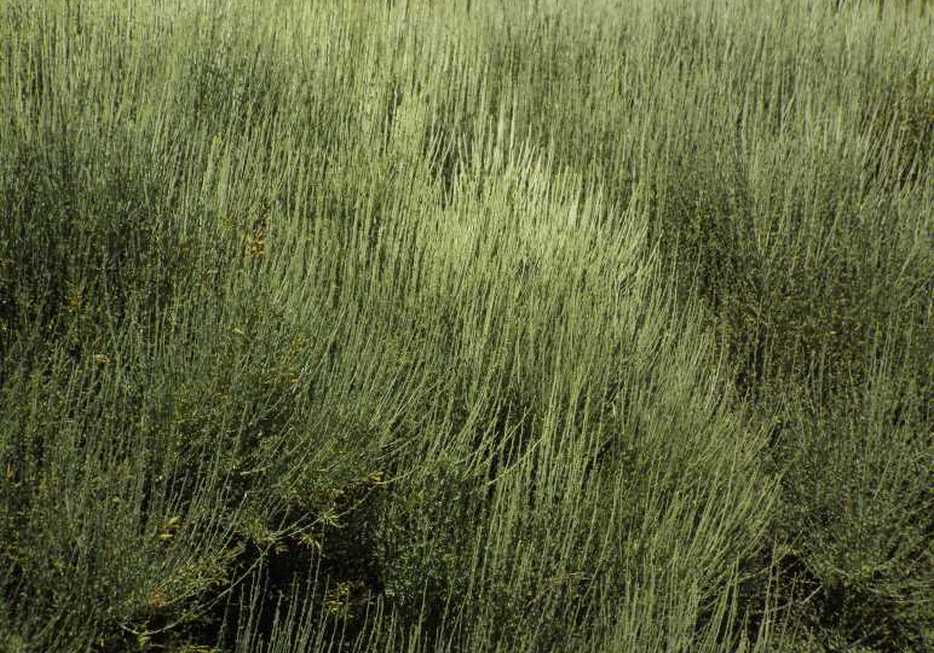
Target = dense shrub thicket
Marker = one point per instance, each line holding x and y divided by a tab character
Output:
466	326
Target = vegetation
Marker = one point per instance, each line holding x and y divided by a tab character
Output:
466	326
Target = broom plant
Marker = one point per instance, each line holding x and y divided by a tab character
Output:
465	326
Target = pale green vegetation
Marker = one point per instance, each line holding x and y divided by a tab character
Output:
466	326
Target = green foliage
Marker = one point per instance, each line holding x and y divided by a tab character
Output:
465	326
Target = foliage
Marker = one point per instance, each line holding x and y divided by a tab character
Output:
465	326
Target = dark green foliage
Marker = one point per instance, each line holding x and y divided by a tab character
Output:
465	326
